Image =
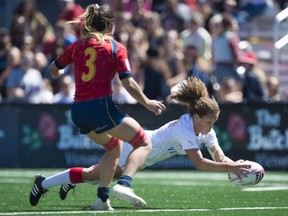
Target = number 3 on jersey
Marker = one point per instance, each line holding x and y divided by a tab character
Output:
90	64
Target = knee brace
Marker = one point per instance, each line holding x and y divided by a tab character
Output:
139	138
112	143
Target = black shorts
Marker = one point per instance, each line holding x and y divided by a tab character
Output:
97	115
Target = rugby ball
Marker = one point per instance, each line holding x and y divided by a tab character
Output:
253	178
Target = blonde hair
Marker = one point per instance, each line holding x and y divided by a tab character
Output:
95	22
194	94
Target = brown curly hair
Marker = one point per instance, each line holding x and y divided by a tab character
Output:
194	94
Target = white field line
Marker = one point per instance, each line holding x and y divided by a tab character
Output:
142	211
274	188
264	186
14	173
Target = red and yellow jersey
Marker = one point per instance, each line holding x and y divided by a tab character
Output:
95	65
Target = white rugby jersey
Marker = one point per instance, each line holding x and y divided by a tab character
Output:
172	139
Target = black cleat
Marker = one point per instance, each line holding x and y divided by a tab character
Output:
64	189
37	190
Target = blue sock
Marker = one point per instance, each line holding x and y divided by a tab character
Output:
125	180
103	193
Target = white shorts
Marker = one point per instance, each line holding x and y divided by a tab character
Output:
127	148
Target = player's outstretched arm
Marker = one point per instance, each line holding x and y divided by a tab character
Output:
205	164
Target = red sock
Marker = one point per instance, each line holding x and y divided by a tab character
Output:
75	175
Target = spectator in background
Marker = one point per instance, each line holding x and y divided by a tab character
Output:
230	91
40	62
185	11
218	6
17	31
285	95
158	6
246	47
171	51
273	87
224	6
25	83
57	47
65	32
157	72
154	30
197	66
250	9
145	4
137	45
206	10
65	35
123	27
28	44
231	6
67	90
47	92
120	94
27	20
138	12
70	11
40	57
116	6
10	58
197	36
225	50
171	20
254	81
194	66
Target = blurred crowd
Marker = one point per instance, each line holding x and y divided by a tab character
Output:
167	41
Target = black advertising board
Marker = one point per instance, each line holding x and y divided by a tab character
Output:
8	137
43	136
49	139
257	132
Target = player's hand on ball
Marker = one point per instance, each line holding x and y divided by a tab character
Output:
239	161
156	106
241	169
253	177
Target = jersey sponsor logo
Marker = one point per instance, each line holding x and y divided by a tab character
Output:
172	150
100	128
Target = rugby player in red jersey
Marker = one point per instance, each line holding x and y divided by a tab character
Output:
96	58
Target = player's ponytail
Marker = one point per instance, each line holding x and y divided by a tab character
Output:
194	94
96	21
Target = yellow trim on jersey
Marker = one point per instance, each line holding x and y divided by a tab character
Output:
109	113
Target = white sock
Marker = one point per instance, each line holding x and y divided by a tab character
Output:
57	179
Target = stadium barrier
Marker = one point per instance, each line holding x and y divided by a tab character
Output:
43	136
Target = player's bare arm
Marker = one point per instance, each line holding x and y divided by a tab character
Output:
205	164
218	155
54	71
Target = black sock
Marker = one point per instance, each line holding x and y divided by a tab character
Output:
125	180
103	193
